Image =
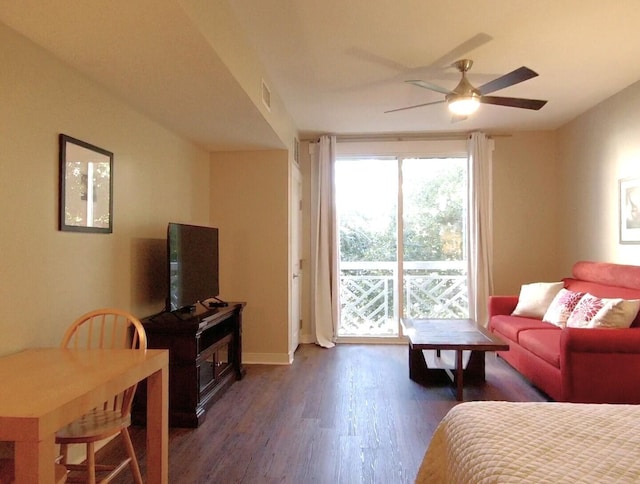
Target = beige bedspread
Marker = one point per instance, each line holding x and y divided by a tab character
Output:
483	442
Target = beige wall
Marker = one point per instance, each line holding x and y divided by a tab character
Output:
526	215
596	150
50	277
249	204
556	194
555	202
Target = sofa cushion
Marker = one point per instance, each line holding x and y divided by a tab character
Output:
562	306
544	343
535	298
511	326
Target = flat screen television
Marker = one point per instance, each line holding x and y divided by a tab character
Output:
192	256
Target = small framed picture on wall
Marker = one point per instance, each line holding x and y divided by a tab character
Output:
629	196
86	187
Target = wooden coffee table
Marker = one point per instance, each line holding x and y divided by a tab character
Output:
449	334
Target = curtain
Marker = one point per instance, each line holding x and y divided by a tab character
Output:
480	227
324	247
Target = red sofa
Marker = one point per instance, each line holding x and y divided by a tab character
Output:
576	364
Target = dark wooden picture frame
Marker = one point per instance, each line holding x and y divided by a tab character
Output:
86	187
629	199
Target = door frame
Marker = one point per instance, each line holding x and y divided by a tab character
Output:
295	256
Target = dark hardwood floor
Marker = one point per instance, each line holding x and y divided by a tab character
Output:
345	415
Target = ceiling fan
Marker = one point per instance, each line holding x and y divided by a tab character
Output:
465	99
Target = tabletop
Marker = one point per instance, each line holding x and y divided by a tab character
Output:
451	334
46	388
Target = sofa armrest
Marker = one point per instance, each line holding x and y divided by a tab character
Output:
600	340
502	305
600	365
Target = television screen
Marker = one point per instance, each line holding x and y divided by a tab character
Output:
193	264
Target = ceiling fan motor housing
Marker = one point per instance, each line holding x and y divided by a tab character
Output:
464	99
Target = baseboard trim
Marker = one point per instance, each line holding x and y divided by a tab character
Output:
265	359
372	340
287	359
306	339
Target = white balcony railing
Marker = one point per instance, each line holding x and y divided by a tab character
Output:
369	305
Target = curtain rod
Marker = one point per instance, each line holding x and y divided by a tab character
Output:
352	138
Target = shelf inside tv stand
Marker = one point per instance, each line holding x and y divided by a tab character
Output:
205	358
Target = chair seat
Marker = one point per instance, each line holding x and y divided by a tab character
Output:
93	426
7	472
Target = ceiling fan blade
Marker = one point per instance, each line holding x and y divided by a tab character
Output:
428	85
514	77
373	58
413	107
513	102
462	50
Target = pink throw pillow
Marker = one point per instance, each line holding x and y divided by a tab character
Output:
562	306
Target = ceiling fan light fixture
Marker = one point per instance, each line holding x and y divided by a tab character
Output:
464	105
465	99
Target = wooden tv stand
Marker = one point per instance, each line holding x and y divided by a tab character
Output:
205	358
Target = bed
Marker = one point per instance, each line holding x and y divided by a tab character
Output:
489	442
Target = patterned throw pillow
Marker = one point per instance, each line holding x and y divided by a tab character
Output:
616	313
595	312
585	311
562	306
535	298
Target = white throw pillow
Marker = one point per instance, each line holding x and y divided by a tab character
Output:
535	298
595	312
562	306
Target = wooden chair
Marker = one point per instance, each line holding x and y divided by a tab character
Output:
7	471
107	329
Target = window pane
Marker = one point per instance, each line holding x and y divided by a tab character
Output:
366	207
434	209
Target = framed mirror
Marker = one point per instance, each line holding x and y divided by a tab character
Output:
86	187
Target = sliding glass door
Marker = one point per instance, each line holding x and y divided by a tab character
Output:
401	225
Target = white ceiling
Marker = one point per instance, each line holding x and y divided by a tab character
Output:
338	65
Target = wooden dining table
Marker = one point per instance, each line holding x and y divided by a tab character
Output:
42	390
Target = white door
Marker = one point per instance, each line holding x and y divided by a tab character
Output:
296	269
